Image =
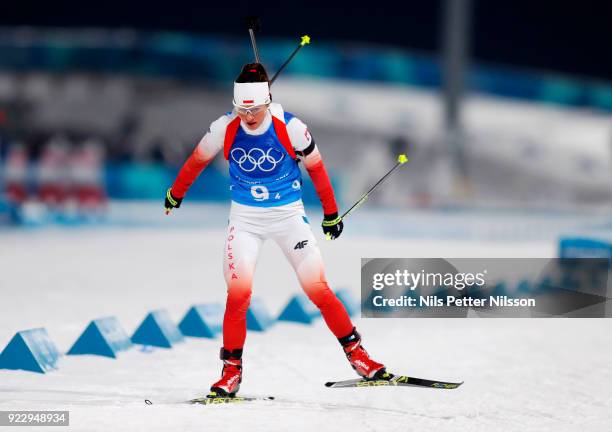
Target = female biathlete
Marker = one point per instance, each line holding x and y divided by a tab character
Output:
263	145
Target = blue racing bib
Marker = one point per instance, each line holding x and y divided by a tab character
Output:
262	173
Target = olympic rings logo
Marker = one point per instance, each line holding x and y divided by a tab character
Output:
256	158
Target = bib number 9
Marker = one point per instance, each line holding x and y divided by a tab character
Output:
260	193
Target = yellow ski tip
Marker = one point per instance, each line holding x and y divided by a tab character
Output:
402	159
305	40
328	236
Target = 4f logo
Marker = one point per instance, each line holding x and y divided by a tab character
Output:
301	244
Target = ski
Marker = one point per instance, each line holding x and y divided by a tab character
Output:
397	380
207	400
216	400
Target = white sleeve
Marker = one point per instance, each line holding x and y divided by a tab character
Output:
213	140
298	134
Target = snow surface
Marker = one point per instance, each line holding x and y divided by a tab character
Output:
520	375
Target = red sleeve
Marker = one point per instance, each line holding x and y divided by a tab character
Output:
325	191
189	172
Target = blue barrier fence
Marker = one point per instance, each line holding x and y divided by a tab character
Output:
158	330
30	350
299	309
103	337
205	321
33	350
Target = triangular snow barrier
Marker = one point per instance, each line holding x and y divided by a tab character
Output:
499	289
299	309
103	337
30	350
349	301
545	284
205	320
158	330
258	317
368	305
524	287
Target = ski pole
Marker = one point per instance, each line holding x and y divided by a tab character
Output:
401	160
254	24
305	40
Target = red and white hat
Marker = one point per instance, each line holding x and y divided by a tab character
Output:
251	94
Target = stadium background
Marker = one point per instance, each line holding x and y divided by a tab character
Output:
131	93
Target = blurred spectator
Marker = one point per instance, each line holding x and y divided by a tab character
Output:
52	173
87	176
16	173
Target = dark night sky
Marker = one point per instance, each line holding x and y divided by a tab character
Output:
569	37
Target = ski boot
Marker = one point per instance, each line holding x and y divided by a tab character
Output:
231	375
360	360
